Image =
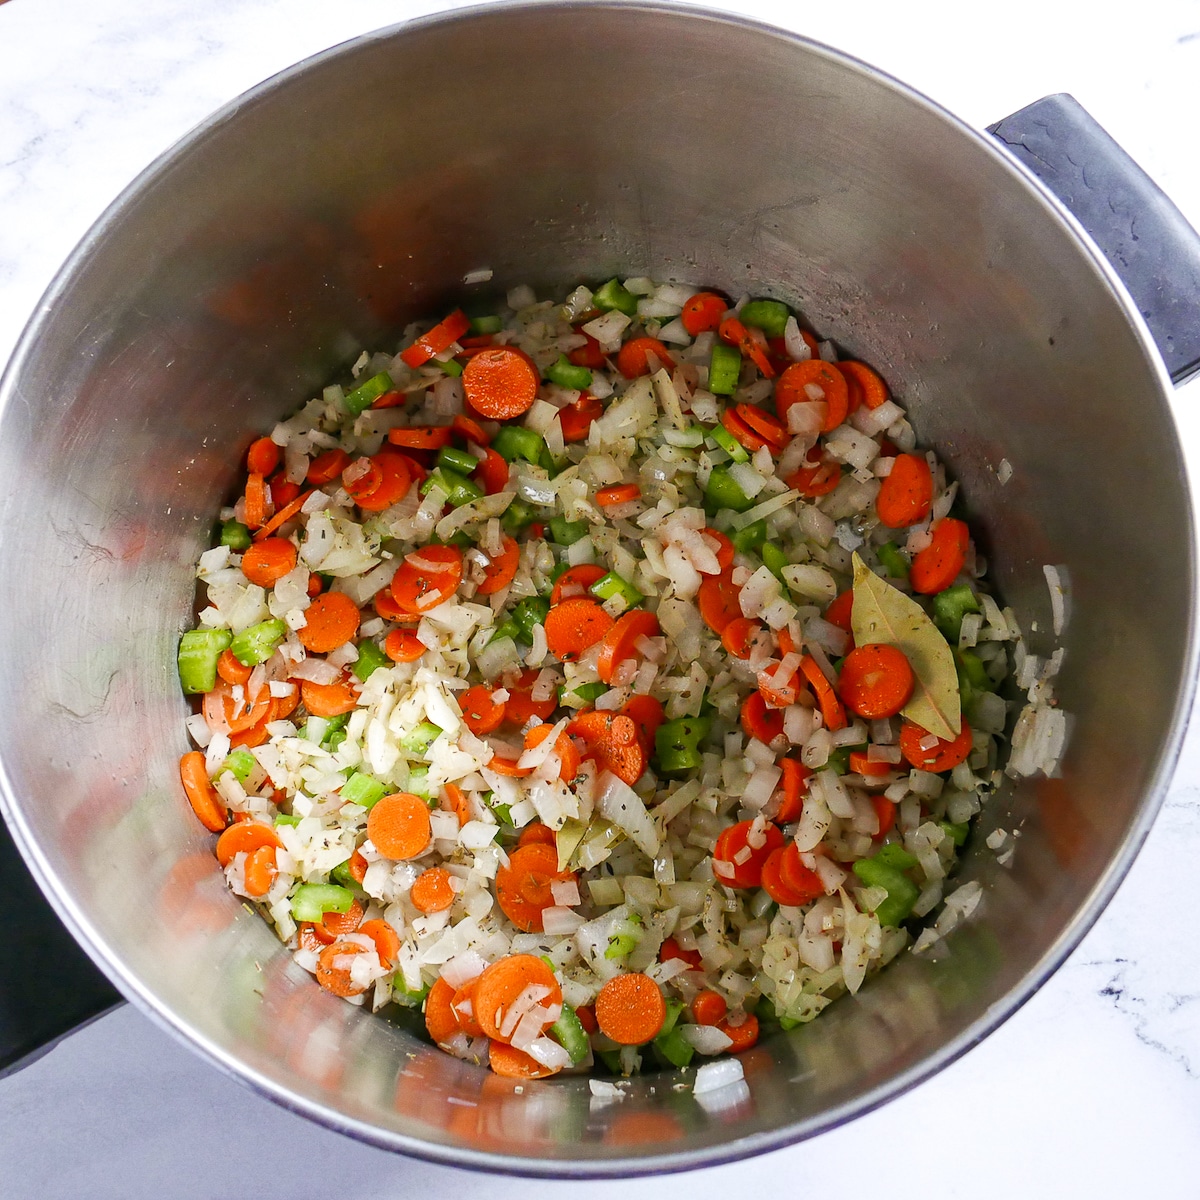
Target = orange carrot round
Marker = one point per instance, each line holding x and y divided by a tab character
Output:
906	494
463	1004
575	625
427	577
630	1009
268	561
263	456
647	715
576	418
876	680
225	714
508	767
708	1007
738	635
501	382
431	891
441	1021
743	1035
936	567
792	388
470	430
398	826
328	699
244	838
590	354
620	642
338	924
535	831
504	981
206	803
511	1063
386	939
568	756
574	582
816	479
521	705
232	669
759	721
775	886
492	472
523	887
840	609
730	847
793	784
633	359
804	883
764	425
944	756
725	550
862	764
612	742
702	312
874	390
737	428
331	621
832	712
403	646
394	478
619	493
718	601
333	977
421	437
500	571
327	467
480	712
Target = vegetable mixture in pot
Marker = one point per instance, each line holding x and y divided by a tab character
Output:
606	680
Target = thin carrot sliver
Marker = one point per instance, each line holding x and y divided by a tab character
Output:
441	1021
202	796
386	939
284	515
832	711
511	1063
937	566
258	501
619	493
258	871
263	457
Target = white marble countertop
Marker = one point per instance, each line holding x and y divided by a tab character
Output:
1092	1089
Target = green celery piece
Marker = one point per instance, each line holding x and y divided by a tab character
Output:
256	644
370	659
724	367
589	693
955	831
334	740
614	295
624	938
611	584
566	374
199	650
517	516
611	1059
418	740
341	875
674	1011
507	629
529	612
404	997
749	538
515	441
677	744
241	763
729	443
902	893
362	789
894	563
458	488
368	392
895	855
774	560
235	535
949	608
451	366
768	315
673	1047
567	533
723	491
457	460
503	811
571	1035
839	759
311	901
286	819
489	323
418	783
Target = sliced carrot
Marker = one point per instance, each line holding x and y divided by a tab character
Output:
398	826
744	1034
263	456
499	573
338	924
331	620
751	342
574	626
647	715
774	884
590	354
936	567
283	516
861	764
523	887
792	388
619	493
587	1018
232	669
944	756
876	680
315	585
840	609
244	838
511	1063
395	480
725	550
265	563
421	437
831	708
702	312
778	695
732	843
874	390
361	478
905	495
521	705
568	755
738	636
225	714
794	784
470	430
620	642
575	419
357	866
885	810
815	480
535	831
719	603
501	382
574	582
737	428
334	977
386	939
759	721
258	501
309	938
328	699
283	491
763	424
464	1008
633	359
799	878
403	646
327	466
386	606
504	981
431	891
612	742
427	577
708	1007
441	1021
455	801
480	712
492	472
630	1009
206	803
439	339
508	767
671	949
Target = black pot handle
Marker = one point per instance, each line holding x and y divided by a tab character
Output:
1143	235
49	987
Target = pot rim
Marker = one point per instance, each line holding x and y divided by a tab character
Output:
624	1166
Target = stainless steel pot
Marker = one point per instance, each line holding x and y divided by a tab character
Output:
553	144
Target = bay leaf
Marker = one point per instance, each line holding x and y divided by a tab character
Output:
567	840
883	613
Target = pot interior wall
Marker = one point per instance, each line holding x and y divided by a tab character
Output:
555	146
